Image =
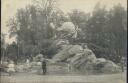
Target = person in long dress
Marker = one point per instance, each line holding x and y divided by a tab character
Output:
28	62
69	67
11	68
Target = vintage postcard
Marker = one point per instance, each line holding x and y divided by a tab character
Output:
63	41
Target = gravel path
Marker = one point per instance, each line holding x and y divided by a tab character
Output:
33	78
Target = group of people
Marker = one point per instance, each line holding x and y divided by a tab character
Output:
8	67
11	65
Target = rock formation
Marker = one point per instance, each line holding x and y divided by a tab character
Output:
84	60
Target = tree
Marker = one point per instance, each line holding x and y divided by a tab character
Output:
104	31
79	19
2	42
12	52
116	32
94	30
3	46
32	29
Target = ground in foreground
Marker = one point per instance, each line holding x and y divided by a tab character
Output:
33	78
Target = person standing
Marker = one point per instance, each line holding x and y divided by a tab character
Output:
44	68
69	67
27	62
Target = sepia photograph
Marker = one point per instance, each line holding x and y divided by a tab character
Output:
63	41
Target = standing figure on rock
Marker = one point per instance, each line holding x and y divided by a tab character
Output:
69	67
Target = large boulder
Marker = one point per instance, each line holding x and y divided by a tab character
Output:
20	68
106	66
83	57
78	57
100	60
67	52
23	68
110	67
69	29
83	61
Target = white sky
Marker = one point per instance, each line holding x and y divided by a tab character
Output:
9	8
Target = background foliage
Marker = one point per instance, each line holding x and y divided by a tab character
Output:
105	31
